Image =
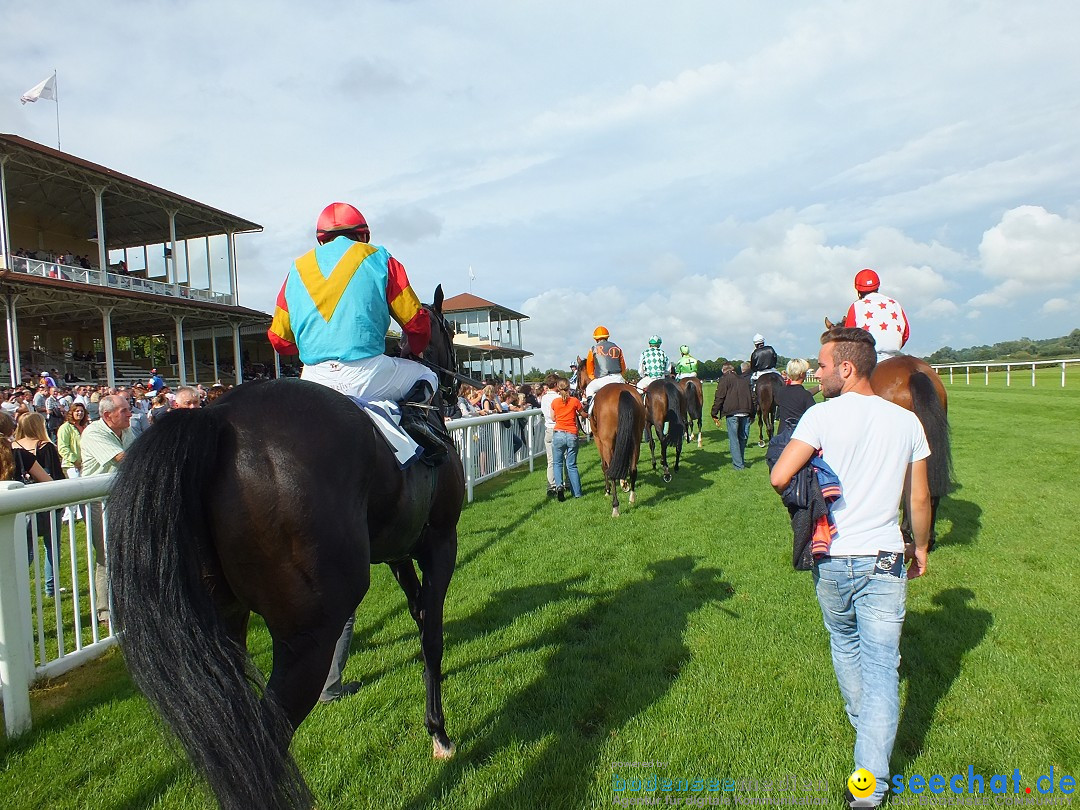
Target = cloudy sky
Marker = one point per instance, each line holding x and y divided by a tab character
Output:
700	170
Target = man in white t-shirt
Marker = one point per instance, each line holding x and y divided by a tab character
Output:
878	451
549	426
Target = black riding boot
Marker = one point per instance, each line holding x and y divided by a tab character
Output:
424	425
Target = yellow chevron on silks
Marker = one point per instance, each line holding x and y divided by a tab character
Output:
326	292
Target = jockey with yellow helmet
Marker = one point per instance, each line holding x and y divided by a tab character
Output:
654	363
687	365
334	310
604	363
881	316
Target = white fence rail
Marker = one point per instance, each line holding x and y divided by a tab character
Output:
42	637
490	445
1022	367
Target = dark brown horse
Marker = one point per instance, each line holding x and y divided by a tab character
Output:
913	384
665	410
695	398
275	500
616	420
766	391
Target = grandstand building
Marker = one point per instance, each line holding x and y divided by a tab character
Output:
488	337
92	259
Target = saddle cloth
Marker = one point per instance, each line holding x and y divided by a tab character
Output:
386	416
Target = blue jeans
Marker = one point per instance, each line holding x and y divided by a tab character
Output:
738	429
864	614
564	447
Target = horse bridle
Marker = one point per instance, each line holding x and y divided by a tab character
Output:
447	376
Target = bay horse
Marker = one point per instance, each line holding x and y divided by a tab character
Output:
616	420
695	398
766	387
665	410
276	499
912	383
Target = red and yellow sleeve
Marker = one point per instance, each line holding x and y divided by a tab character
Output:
405	308
280	332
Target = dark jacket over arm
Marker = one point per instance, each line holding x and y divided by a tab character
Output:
732	396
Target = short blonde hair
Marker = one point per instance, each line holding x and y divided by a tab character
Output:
797	368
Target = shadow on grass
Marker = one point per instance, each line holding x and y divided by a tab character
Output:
933	646
965	518
610	663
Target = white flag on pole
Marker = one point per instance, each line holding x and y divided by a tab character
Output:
472	277
45	89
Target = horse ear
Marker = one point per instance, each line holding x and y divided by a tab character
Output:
436	302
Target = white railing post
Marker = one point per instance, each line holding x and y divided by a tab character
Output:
470	470
1008	374
1032	375
16	634
1062	375
529	442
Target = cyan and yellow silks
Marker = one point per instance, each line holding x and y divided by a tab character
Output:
337	301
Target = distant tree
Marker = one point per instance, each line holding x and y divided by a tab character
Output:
632	375
534	374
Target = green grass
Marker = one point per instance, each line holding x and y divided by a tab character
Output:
677	634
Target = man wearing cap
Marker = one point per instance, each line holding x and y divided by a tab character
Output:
155	382
881	316
654	364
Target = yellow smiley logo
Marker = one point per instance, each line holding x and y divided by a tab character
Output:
861	783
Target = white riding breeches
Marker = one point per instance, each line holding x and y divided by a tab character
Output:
597	384
374	378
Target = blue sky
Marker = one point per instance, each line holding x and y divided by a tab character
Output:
703	171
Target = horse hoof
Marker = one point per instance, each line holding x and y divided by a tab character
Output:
761	444
625	486
667	478
699	440
615	512
631	496
442	751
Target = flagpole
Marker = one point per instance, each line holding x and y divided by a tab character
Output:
56	91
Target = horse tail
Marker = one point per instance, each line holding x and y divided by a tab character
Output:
174	640
935	422
674	416
622	456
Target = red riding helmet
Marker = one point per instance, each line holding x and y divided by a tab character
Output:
867	281
337	219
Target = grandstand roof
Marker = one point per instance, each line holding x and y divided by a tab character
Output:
44	183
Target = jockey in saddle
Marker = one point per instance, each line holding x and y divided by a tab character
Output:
654	364
604	363
879	315
687	365
762	361
334	310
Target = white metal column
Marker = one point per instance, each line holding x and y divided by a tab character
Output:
237	354
173	277
103	254
194	364
106	329
13	340
180	348
230	250
5	235
213	349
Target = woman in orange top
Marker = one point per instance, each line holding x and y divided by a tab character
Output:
565	409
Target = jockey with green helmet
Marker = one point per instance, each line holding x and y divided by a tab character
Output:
687	365
654	363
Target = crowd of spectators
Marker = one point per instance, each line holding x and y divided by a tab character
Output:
65	259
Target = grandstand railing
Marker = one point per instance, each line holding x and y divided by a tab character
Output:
1023	367
43	638
118	281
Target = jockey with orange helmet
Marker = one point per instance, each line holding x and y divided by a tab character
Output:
604	363
881	316
334	310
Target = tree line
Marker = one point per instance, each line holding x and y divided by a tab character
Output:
1013	350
